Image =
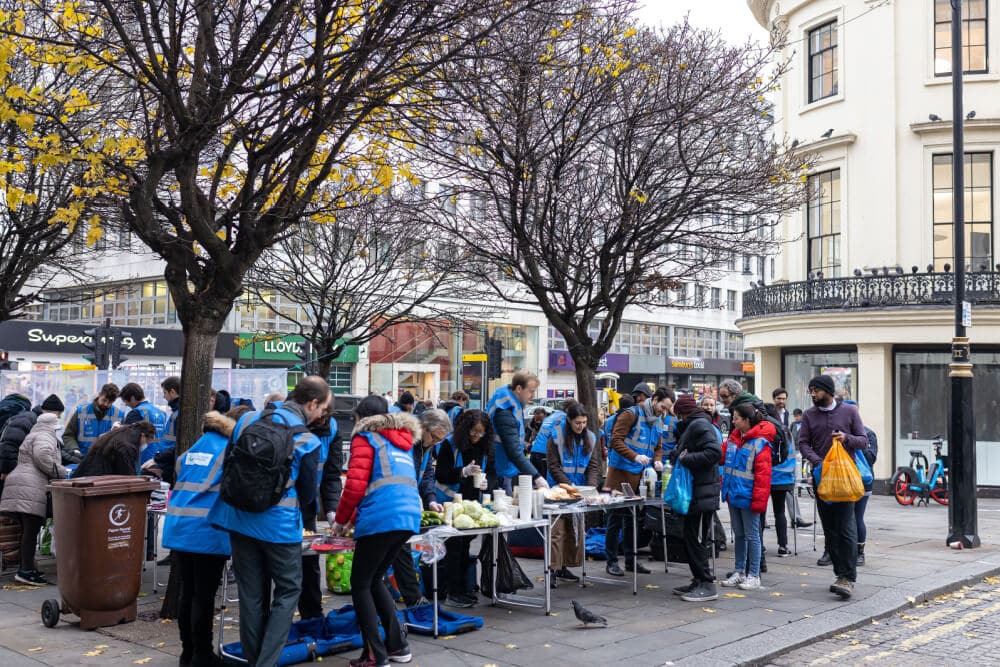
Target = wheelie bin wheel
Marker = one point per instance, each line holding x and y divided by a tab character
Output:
50	613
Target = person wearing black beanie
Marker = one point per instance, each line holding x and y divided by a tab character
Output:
53	404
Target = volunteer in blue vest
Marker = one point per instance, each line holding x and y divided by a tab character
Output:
458	401
309	487
506	411
89	422
199	550
406	403
461	457
782	484
434	427
636	441
382	501
164	458
532	427
624	403
267	546
142	410
746	486
570	448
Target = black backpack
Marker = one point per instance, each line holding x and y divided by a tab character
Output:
779	448
258	464
871	452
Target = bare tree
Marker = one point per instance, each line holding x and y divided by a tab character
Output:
236	115
362	274
609	164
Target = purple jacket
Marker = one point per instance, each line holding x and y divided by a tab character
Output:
816	432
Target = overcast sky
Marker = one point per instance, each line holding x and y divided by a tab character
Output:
732	17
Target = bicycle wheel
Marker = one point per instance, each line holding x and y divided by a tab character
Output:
940	490
901	482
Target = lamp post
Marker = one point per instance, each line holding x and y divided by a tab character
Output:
962	520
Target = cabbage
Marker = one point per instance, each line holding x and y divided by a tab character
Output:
488	520
463	522
472	508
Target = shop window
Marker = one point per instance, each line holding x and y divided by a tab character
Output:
978	211
975	41
800	367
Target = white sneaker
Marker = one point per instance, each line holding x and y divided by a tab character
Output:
735	579
750	584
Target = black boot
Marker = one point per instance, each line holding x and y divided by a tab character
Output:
861	554
824	560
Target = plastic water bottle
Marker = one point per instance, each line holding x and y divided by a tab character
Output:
667	471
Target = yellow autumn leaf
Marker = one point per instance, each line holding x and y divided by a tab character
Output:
735	595
142	661
651	587
36	649
708	610
101	646
510	646
91	654
776	594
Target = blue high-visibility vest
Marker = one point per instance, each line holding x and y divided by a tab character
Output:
575	460
391	501
90	428
199	473
737	474
282	523
157	418
446	492
504	399
642	440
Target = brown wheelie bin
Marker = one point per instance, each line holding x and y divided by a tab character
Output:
100	530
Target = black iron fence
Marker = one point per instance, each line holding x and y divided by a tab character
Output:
881	291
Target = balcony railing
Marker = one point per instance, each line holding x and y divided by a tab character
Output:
876	291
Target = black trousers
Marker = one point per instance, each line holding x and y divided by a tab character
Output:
372	601
311	597
406	576
201	575
840	529
780	522
696	526
619	520
31	526
455	566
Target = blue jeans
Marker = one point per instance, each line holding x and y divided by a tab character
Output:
264	623
746	531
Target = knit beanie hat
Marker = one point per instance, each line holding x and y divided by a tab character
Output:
53	404
824	382
685	405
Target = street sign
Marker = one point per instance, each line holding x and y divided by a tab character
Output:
966	314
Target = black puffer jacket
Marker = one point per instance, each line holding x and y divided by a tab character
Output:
14	432
697	437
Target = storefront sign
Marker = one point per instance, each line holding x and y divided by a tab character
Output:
59	337
561	360
687	363
276	347
749	367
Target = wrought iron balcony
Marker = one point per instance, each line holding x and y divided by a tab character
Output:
871	291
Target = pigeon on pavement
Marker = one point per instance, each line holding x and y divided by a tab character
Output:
588	617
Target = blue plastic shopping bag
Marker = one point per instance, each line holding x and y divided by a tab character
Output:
865	468
677	495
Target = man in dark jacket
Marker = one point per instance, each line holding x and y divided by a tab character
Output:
13	404
825	420
13	434
699	450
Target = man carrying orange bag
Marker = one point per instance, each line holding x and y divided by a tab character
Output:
821	424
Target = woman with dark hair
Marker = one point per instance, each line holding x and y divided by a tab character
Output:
570	457
382	501
117	451
461	456
746	485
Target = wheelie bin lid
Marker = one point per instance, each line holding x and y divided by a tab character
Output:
104	485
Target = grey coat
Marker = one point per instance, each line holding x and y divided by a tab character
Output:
38	461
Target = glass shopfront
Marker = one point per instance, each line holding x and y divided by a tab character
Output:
800	367
922	400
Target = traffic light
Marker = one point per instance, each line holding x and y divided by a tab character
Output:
98	347
494	358
4	360
116	336
304	353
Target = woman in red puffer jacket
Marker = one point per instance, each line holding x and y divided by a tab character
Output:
746	486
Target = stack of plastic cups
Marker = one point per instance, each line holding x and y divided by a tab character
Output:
525	495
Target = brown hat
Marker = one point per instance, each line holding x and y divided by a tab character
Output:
685	404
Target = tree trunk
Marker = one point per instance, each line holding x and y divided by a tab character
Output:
586	393
324	360
196	380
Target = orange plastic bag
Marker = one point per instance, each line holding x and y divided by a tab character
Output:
840	481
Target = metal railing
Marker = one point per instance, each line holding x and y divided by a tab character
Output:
870	291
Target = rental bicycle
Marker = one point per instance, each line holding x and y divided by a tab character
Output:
919	481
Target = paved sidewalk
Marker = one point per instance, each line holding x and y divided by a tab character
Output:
907	563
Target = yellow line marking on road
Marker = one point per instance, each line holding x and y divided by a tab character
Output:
933	634
826	660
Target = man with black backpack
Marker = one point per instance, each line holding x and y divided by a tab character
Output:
259	506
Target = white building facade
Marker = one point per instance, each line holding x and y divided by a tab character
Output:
863	289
